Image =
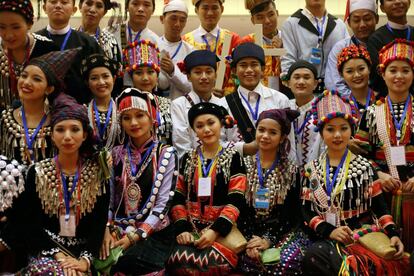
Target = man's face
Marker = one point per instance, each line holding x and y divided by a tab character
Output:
395	9
363	23
174	23
209	12
249	71
268	18
59	11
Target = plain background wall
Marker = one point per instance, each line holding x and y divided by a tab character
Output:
235	16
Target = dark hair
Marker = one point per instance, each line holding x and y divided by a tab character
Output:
353	127
199	2
262	6
127	4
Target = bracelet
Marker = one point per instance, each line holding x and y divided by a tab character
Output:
87	261
130	238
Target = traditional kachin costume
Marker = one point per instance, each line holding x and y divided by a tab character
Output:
346	195
387	127
357	52
36	46
59	212
272	214
145	180
29	145
145	53
103	122
216	207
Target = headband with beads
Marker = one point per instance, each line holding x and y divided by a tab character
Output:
351	52
399	49
330	105
142	53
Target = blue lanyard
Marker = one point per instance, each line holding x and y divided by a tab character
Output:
305	121
255	114
260	172
102	128
206	171
208	45
31	138
66	194
134	170
367	102
398	124
408	30
331	184
177	50
320	28
137	36
65	41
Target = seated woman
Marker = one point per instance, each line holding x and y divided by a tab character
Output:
272	219
341	194
18	45
142	59
208	198
25	130
387	132
145	173
100	72
60	217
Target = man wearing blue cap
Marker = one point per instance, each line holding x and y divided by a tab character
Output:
251	97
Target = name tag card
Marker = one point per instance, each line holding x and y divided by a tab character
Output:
331	218
204	186
67	224
262	199
398	156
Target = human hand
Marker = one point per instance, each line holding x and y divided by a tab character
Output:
218	92
72	266
124	242
277	42
342	234
107	244
253	253
396	242
388	182
207	239
258	242
409	185
166	64
185	238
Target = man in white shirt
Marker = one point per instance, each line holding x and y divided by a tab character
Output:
200	67
135	28
309	34
252	97
173	49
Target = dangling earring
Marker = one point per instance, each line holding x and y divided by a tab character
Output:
122	137
46	107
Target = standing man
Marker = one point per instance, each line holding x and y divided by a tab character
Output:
309	34
173	49
264	12
135	28
396	27
362	18
210	36
59	30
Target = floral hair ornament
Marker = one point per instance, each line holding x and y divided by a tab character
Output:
353	52
132	98
142	53
399	49
330	105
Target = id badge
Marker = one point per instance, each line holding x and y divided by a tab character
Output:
316	56
331	218
262	199
67	224
398	156
204	186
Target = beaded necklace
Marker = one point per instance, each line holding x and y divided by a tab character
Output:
405	122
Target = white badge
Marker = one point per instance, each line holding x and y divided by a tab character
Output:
398	156
204	186
331	218
67	227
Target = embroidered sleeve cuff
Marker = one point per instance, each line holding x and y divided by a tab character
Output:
4	243
51	251
86	255
144	231
386	220
222	226
178	212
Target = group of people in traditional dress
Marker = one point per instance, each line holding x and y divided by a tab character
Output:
122	154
